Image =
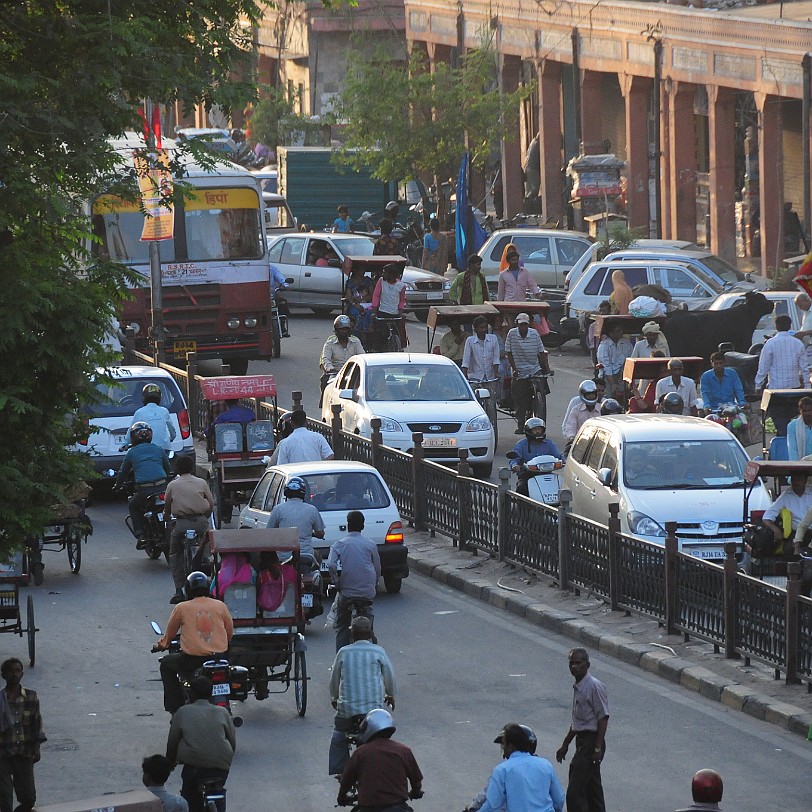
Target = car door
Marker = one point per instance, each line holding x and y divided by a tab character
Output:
567	252
322	283
683	285
602	454
575	469
352	411
286	254
254	515
536	252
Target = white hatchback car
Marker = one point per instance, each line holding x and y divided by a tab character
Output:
413	392
335	488
663	468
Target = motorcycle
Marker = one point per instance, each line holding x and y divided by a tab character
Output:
544	484
156	524
733	418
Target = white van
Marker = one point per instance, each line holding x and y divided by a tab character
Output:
663	468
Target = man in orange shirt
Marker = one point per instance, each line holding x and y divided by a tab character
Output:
205	627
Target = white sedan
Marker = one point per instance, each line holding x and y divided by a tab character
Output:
413	392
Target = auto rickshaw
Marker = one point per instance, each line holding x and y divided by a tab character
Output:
268	611
238	451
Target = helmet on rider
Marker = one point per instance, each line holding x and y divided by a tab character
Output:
391	206
672	403
520	736
197	584
342	323
611	406
377	722
535	429
296	488
707	787
284	427
140	432
588	392
151	393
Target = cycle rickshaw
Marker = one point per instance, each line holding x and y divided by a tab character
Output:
650	370
238	451
13	575
269	614
781	406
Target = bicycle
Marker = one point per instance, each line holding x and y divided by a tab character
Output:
488	404
539	390
391	342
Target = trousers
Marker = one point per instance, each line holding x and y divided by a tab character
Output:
585	790
521	389
173	666
17	776
191	777
176	543
137	503
344	617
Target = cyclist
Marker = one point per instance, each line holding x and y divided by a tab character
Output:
480	357
388	302
534	444
527	357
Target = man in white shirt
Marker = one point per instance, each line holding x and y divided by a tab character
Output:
653	339
480	357
586	408
804	304
302	445
613	351
675	382
338	349
158	417
783	363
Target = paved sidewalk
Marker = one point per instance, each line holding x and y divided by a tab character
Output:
632	638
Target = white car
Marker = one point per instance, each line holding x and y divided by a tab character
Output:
413	392
663	468
335	488
784	305
112	415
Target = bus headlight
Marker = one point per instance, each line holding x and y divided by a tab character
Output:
250	322
233	323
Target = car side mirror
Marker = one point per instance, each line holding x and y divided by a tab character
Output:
482	393
348	394
605	476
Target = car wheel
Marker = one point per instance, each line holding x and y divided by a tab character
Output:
239	366
392	584
483	470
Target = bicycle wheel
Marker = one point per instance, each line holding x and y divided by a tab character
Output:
393	342
31	631
188	556
74	548
539	400
300	681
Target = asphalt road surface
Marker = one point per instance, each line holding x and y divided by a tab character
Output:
463	670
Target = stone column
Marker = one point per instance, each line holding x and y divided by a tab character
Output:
637	95
550	139
682	160
771	180
721	149
591	108
512	183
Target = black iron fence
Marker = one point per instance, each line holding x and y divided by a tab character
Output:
711	601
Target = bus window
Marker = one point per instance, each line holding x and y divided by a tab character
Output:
118	225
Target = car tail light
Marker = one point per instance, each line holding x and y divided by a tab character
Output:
394	535
183	422
756	516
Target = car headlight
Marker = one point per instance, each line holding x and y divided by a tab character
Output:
410	286
446	286
250	322
480	423
233	323
387	424
644	525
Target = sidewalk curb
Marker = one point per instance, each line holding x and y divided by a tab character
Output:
655	661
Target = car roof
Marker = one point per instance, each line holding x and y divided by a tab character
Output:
135	372
667	427
539	232
292	469
377	359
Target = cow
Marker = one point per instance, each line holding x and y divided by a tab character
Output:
699	332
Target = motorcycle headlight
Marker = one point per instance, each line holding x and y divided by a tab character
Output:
480	423
250	322
387	424
643	525
233	323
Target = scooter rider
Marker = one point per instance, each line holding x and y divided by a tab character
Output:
295	512
534	444
150	468
578	415
157	416
671	403
205	627
338	349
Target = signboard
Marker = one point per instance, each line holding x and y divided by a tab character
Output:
155	186
235	387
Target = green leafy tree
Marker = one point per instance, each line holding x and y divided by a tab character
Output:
274	122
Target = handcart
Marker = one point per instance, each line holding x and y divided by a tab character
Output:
13	575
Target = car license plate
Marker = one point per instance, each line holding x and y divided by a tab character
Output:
221	689
323	567
160	517
707	554
439	442
307	600
182	347
119	439
434	294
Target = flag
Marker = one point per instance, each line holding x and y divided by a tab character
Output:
470	236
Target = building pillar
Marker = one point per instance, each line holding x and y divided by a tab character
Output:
721	155
551	139
591	107
771	181
512	181
637	96
682	160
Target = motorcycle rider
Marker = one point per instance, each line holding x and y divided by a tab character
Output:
205	627
305	517
671	403
581	412
611	406
706	791
150	468
382	768
534	443
157	416
338	349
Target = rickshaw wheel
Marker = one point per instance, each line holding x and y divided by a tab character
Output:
300	681
74	548
31	631
276	339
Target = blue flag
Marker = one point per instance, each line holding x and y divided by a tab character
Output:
470	236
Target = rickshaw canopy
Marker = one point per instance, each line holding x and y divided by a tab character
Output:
532	308
785	397
235	387
442	316
373	264
652	369
260	540
756	469
632	325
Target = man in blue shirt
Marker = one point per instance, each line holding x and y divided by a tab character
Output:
158	417
799	431
720	385
234	413
280	283
534	444
523	782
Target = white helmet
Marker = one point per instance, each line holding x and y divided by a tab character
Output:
377	722
588	391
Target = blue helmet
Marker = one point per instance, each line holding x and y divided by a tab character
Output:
296	488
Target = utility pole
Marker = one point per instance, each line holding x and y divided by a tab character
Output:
155	281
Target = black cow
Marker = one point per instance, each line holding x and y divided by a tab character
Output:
699	332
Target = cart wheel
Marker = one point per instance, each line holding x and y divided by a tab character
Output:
31	630
276	338
217	496
74	547
299	681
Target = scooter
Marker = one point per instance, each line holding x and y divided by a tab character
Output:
544	484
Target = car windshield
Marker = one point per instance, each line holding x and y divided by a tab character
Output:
416	382
723	270
684	464
711	281
122	397
348	490
355	246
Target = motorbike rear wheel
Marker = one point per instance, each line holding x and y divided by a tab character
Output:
74	548
300	681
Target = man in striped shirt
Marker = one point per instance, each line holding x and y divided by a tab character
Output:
362	679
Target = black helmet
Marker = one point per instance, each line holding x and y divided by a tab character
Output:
588	391
611	406
531	426
296	488
151	393
342	323
140	432
391	206
672	403
197	584
520	736
284	427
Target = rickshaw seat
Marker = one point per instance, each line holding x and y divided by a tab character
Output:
228	438
778	449
241	600
259	436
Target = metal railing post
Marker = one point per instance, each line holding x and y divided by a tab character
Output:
502	513
730	568
296	396
417	481
377	442
671	548
614	556
564	499
791	628
192	398
462	503
335	427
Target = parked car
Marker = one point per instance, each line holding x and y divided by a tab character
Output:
320	287
662	468
692	286
112	415
414	392
783	304
547	253
336	488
